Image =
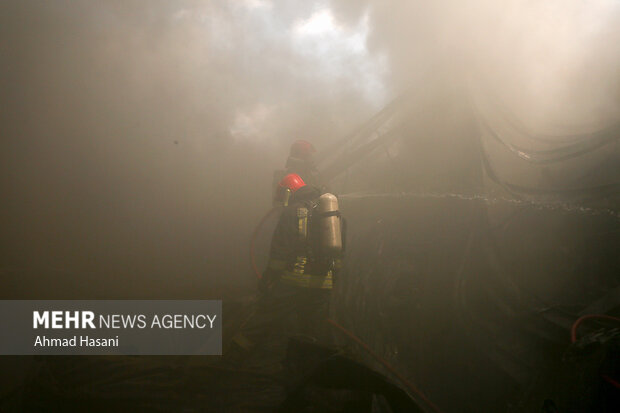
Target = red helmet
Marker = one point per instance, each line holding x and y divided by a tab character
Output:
292	182
302	149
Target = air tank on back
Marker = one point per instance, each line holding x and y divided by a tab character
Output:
330	226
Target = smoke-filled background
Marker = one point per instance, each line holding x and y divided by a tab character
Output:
139	137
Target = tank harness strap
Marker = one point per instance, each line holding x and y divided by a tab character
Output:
329	214
302	223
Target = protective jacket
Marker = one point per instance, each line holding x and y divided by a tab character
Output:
296	257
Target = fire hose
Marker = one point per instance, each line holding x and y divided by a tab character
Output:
253	240
573	338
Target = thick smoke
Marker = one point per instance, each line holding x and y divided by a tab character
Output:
550	66
139	137
554	61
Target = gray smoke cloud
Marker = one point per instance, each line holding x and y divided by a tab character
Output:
139	137
555	61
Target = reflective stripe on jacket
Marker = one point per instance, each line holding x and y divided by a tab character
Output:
298	277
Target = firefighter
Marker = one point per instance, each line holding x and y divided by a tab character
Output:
305	257
300	162
306	251
307	239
